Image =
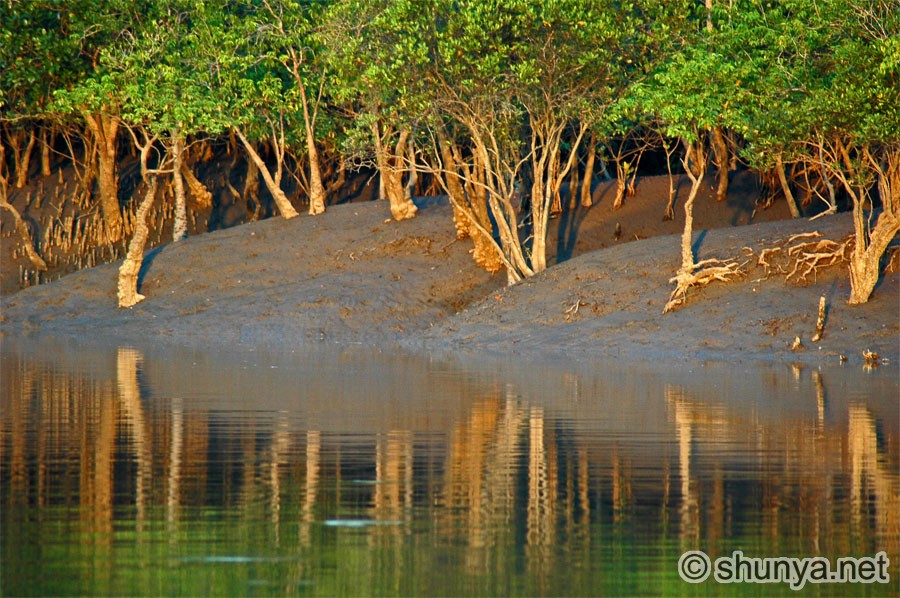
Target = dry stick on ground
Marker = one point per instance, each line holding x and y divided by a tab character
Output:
820	321
704	272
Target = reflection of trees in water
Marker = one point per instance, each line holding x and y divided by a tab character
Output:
508	481
804	486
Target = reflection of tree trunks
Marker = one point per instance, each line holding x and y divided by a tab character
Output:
311	487
874	490
393	482
689	510
176	449
128	361
541	516
280	447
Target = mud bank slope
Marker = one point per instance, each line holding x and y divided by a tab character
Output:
350	277
608	304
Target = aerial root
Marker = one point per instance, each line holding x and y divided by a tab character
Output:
699	275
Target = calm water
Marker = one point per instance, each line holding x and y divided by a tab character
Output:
157	471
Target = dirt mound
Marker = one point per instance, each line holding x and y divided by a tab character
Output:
352	276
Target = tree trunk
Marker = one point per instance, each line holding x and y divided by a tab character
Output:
621	185
573	185
316	188
130	269
104	128
285	208
46	144
179	228
202	196
687	251
338	183
587	199
469	211
410	189
23	158
450	177
392	173
865	261
785	187
723	162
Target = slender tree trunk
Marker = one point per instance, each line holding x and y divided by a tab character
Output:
104	128
23	159
670	204
410	189
785	187
46	144
823	168
587	199
130	269
723	162
251	190
316	188
179	228
696	174
621	185
573	185
283	204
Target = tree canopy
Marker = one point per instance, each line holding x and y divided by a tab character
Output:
499	100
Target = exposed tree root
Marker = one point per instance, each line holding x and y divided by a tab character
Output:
808	258
803	256
701	274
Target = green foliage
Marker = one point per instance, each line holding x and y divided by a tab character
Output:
52	46
778	74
